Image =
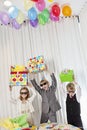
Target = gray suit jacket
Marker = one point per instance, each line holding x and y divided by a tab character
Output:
49	100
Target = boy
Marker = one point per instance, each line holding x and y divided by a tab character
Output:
73	105
49	102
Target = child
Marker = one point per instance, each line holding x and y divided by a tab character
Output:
24	103
49	102
73	105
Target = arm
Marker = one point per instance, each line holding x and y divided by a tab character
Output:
54	82
78	92
12	100
63	90
36	85
33	94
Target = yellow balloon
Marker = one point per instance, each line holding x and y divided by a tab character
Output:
66	10
28	4
20	18
50	0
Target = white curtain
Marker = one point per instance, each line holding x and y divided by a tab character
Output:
63	45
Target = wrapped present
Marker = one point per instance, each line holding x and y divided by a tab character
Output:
21	121
67	76
18	75
7	124
36	64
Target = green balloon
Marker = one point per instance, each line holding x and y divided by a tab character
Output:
41	19
46	14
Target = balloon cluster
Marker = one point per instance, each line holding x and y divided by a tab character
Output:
37	12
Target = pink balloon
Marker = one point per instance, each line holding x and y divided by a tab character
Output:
53	17
40	5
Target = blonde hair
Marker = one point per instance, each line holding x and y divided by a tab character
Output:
44	81
70	86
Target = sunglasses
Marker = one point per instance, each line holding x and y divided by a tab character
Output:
24	93
43	84
71	91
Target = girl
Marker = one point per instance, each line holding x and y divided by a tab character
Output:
24	103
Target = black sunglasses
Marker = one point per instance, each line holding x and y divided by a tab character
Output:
23	92
43	84
71	91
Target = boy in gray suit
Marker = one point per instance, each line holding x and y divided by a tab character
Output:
50	103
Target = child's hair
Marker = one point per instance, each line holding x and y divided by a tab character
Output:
24	88
44	81
70	86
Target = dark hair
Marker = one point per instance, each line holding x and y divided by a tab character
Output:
24	88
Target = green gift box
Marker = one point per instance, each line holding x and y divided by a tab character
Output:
21	121
67	76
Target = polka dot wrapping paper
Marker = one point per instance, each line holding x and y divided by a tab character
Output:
18	76
36	64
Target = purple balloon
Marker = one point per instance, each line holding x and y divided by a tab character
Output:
4	18
15	24
0	15
53	18
34	23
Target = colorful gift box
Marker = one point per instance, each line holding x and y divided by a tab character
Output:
36	64
67	76
18	75
21	121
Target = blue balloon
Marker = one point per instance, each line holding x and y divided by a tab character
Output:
32	13
13	12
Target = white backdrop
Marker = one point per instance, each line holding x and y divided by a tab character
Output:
62	44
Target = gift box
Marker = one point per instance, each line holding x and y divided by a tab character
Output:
18	75
21	121
67	76
36	64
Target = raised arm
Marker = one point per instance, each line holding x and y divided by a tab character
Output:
33	94
54	81
78	92
36	86
12	100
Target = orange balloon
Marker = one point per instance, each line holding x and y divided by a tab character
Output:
66	10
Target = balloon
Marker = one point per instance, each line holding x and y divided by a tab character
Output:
0	15
13	12
34	0
20	18
15	24
34	23
45	14
50	0
53	17
5	18
41	19
28	4
56	10
32	14
40	5
66	10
